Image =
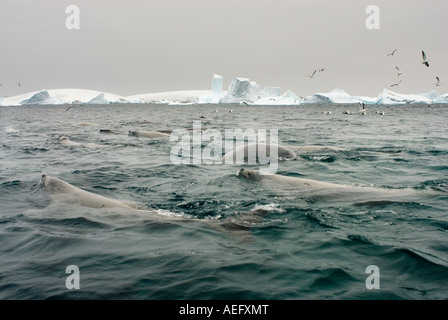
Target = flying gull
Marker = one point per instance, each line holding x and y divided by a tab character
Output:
74	105
399	72
425	61
395	84
320	70
392	53
311	76
438	82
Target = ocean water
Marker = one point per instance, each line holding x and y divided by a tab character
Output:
180	244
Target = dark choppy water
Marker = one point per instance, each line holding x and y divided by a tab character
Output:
304	247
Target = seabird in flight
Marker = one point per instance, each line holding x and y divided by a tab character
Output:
399	72
425	61
392	53
311	76
395	84
438	82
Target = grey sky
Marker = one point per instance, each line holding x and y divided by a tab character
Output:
135	46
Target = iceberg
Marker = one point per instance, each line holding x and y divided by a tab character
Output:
288	98
336	96
61	96
242	90
271	91
435	97
211	97
99	99
217	84
84	96
40	97
390	97
184	96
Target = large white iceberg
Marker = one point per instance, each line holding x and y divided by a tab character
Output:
217	84
62	96
41	97
242	90
434	97
216	93
184	96
390	97
288	98
337	96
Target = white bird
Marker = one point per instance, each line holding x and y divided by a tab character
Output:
362	110
399	72
311	76
425	61
438	82
392	53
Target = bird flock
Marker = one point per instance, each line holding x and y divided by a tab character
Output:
425	62
314	72
1	85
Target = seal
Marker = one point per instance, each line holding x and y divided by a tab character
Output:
256	152
108	131
312	148
85	198
148	134
285	182
322	190
58	187
66	141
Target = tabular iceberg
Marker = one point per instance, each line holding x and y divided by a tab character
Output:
338	96
390	97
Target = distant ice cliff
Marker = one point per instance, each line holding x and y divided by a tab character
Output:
240	90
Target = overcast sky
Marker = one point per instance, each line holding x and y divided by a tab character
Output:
135	46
